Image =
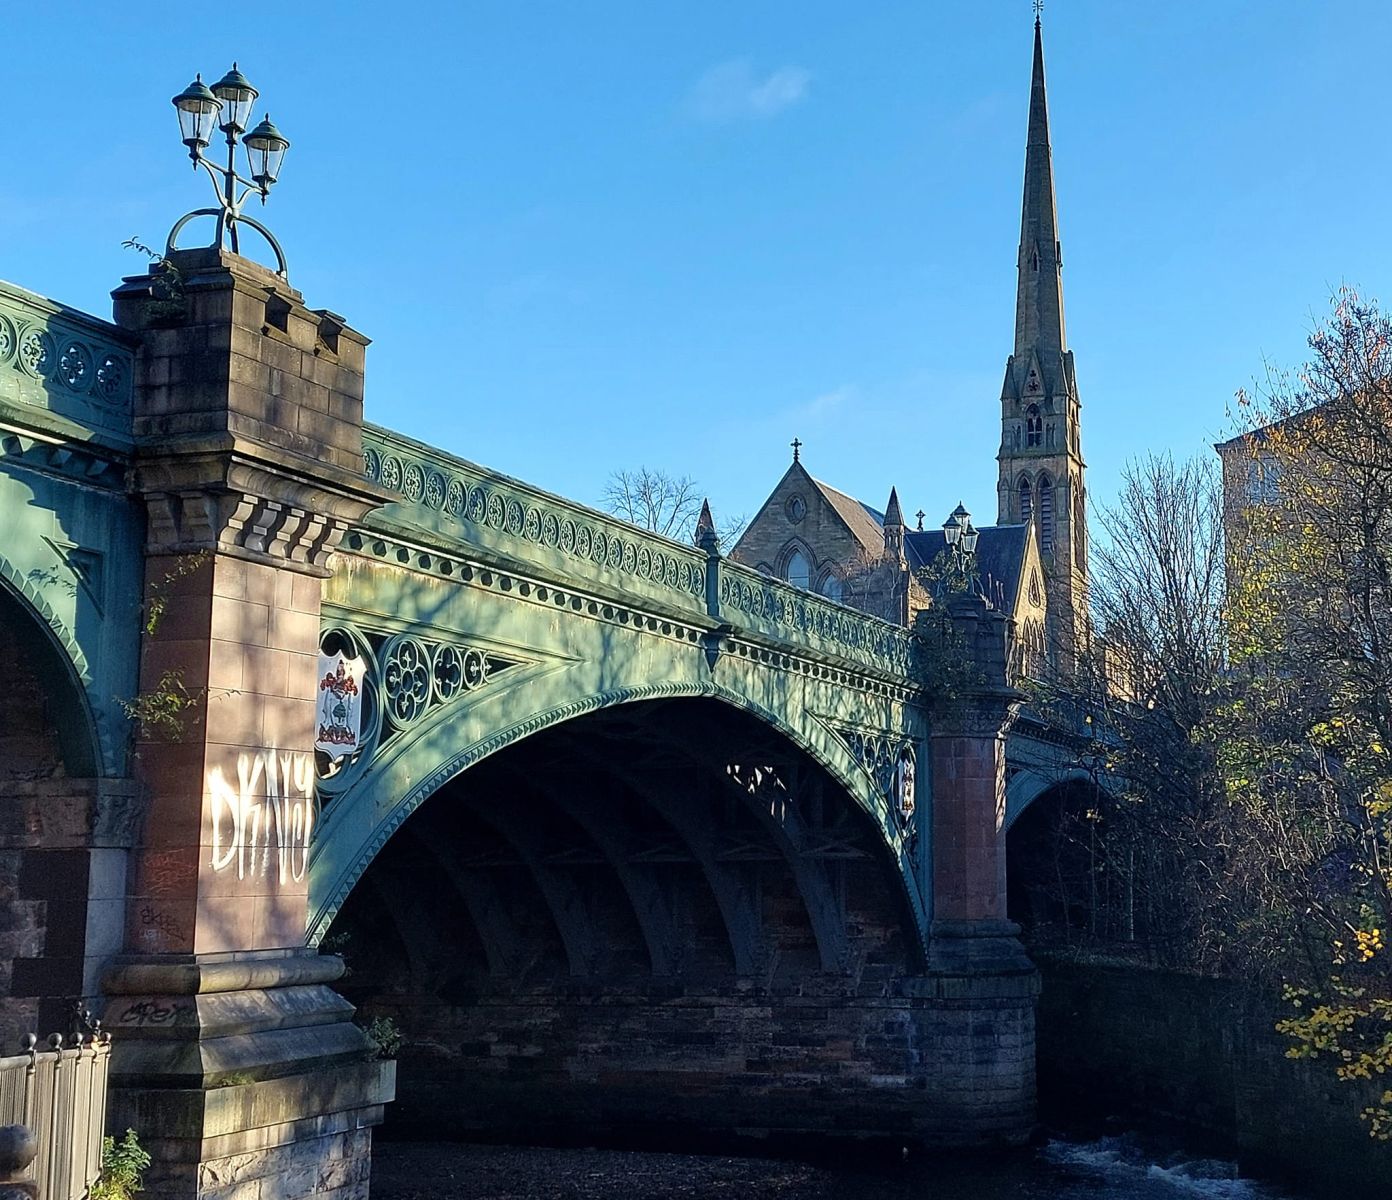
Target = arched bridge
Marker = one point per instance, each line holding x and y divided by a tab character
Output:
607	779
633	836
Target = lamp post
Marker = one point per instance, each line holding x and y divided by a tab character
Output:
961	537
226	106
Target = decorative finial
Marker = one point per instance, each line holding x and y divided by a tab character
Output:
706	537
1038	10
920	514
797	447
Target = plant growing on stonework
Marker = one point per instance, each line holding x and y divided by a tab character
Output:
386	1037
123	1164
160	711
157	601
167	285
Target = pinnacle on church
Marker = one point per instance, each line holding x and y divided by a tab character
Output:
894	515
706	537
1039	329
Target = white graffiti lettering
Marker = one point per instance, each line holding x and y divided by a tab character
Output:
272	804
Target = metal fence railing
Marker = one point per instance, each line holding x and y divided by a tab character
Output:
59	1093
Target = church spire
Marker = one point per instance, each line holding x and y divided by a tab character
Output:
1039	298
1041	458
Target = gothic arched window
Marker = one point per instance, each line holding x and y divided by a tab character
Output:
831	587
1034	426
798	571
1046	514
1026	500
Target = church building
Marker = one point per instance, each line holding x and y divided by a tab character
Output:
1032	564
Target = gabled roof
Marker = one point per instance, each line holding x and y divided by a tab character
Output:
866	523
1000	558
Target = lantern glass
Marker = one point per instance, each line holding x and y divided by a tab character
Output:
951	531
969	536
266	147
197	108
237	96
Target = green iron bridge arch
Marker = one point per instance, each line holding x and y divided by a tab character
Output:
488	610
623	808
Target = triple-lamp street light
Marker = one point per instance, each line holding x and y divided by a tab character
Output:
962	537
227	106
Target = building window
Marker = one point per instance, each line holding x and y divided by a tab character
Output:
831	587
1026	500
1263	480
798	571
1046	514
1034	426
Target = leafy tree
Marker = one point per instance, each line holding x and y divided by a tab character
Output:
1307	730
1242	690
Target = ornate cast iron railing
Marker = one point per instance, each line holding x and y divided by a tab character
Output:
450	496
65	362
449	500
58	1093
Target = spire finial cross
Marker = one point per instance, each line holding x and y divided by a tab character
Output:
920	514
797	446
1038	10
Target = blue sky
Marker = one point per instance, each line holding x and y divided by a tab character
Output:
595	235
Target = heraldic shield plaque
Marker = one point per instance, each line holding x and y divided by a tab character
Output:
339	724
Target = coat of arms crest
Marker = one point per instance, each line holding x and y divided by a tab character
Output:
340	705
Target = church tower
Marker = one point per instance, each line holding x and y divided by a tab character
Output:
1041	459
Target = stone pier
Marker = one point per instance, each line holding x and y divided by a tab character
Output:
234	1058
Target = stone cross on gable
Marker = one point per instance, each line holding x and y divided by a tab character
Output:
797	446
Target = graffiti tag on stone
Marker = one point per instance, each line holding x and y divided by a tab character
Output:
266	819
148	1012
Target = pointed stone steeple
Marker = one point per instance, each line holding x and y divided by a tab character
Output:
894	515
1041	459
1039	329
894	526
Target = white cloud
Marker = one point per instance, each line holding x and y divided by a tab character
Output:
732	91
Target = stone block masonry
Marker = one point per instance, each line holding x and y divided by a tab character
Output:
693	1064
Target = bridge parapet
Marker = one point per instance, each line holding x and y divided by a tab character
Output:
66	372
459	504
778	611
459	501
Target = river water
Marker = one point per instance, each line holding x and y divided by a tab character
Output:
1125	1166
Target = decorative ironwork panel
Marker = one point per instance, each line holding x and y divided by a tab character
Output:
471	495
65	362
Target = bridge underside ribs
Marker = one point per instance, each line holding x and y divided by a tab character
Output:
659	916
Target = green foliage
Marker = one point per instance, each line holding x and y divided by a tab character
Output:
161	710
386	1037
157	602
168	292
123	1164
1246	701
